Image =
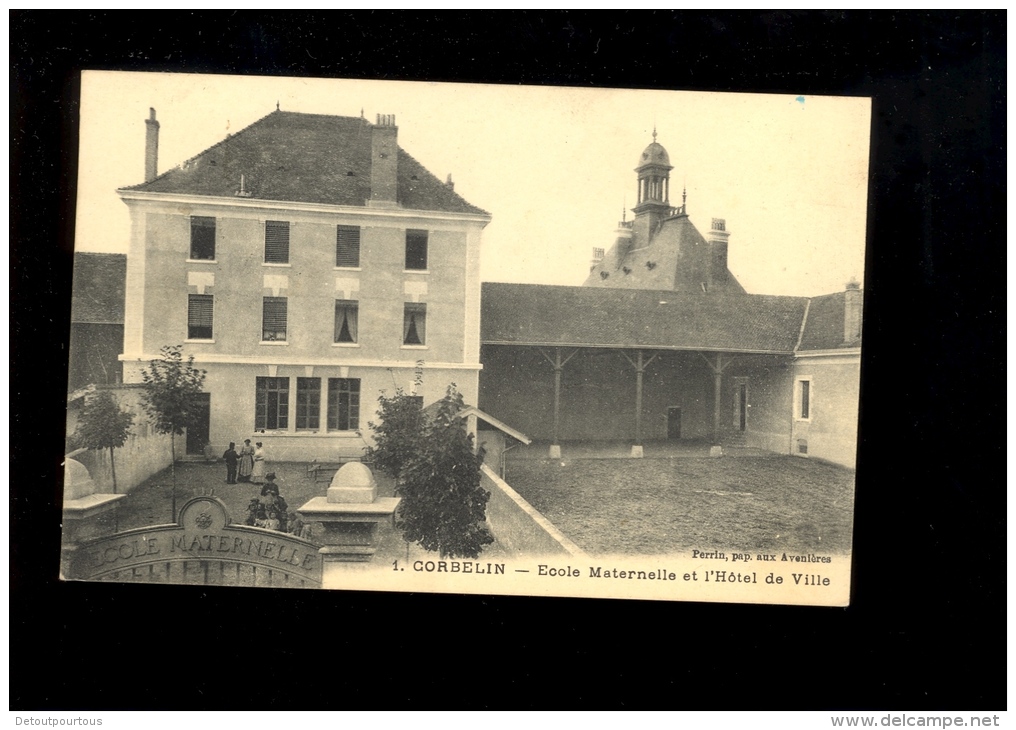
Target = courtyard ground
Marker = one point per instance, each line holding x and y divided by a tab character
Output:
677	504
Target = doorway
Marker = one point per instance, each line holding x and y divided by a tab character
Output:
673	423
197	433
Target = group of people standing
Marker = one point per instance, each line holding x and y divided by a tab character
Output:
269	509
249	465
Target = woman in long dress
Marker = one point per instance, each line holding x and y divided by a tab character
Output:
246	465
257	476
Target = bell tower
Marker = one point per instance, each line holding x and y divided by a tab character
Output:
653	187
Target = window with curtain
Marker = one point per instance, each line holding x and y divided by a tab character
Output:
202	235
343	404
276	242
345	320
199	316
273	328
347	247
414	325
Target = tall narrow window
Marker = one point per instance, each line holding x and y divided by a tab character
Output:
271	404
805	400
202	238
347	247
273	327
414	325
345	321
308	404
416	250
199	316
276	242
343	404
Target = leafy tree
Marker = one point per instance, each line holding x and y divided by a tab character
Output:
102	425
443	505
398	435
171	386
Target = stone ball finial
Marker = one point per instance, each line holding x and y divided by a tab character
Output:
353	482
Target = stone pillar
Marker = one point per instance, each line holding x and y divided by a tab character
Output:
345	520
86	515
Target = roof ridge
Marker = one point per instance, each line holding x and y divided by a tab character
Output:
669	292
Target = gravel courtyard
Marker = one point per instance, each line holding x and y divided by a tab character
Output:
669	505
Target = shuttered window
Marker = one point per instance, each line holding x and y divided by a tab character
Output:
273	327
276	242
202	232
271	404
345	320
343	404
347	247
199	317
416	250
308	404
414	325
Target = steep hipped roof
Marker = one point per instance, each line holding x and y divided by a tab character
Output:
676	259
528	314
310	158
99	285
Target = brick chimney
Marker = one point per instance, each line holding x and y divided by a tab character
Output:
384	162
151	147
717	239
852	312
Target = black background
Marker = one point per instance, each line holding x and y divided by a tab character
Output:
926	627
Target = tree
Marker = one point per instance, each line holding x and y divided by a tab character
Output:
102	425
170	387
443	506
398	435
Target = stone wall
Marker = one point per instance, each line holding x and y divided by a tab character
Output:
518	527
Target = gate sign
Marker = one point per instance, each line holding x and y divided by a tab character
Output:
203	547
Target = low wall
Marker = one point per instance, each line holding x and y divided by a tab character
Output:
518	527
137	460
145	453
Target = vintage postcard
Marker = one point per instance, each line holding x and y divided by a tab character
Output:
430	337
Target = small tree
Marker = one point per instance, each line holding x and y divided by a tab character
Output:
102	425
398	435
443	505
171	386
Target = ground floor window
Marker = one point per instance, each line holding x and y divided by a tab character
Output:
271	404
803	406
343	404
308	404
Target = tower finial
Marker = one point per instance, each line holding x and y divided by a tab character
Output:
624	209
654	131
276	105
